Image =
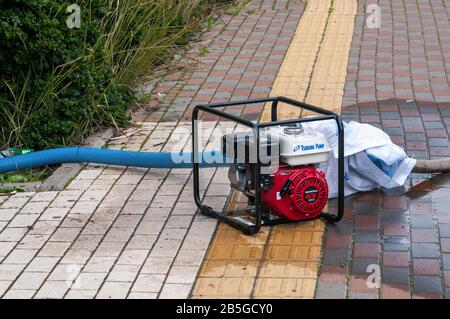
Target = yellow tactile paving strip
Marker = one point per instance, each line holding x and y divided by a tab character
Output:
282	262
295	73
328	80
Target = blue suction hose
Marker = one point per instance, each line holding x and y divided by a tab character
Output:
108	157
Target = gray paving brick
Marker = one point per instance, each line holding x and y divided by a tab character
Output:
367	236
4	285
427	284
19	294
330	291
446	261
29	281
395	275
125	273
424	250
175	291
182	275
114	290
395	244
148	283
447	293
336	257
363	295
418	221
52	290
444	230
359	265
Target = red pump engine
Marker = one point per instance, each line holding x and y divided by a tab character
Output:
291	186
297	193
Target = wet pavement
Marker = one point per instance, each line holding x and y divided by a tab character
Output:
397	80
402	238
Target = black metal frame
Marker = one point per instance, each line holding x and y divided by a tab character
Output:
259	220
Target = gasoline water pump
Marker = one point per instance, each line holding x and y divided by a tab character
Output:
275	165
292	187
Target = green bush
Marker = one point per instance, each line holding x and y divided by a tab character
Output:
58	84
54	83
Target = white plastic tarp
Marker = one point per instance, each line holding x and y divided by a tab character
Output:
371	159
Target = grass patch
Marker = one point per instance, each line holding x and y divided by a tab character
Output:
8	180
203	51
27	176
210	22
6	191
237	7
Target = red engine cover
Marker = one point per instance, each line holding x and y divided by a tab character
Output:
304	198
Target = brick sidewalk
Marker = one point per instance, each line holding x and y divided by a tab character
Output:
242	61
397	80
134	233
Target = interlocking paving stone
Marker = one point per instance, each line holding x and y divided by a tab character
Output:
343	227
424	250
336	257
444	230
427	284
389	291
446	261
395	244
330	291
360	265
426	266
368	236
395	275
363	295
420	221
